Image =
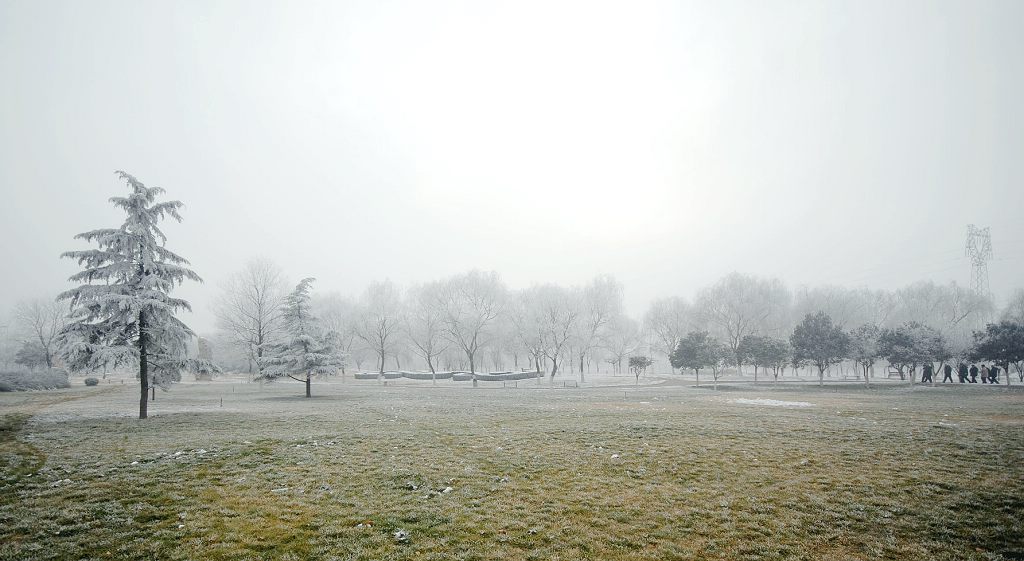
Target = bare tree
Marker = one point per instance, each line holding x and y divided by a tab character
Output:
471	303
881	304
740	305
7	343
952	310
600	303
526	328
555	311
621	339
668	320
340	316
41	320
1014	310
424	323
379	317
249	311
847	307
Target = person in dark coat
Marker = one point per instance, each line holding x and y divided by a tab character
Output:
993	375
974	373
947	374
961	372
926	374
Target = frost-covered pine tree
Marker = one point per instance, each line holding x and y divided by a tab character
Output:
307	350
122	312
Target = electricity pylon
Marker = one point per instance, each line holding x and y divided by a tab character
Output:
979	249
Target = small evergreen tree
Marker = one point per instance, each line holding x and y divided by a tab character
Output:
307	349
1003	344
638	365
697	351
910	345
122	313
776	354
819	341
864	348
751	350
31	355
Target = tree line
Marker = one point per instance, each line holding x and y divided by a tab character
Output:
121	313
472	321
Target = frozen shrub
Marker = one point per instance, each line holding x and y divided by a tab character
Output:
26	379
92	382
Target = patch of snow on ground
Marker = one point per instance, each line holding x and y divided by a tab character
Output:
772	402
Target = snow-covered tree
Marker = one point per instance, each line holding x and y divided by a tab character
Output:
1014	309
424	323
621	339
379	319
555	311
249	309
668	320
846	306
340	315
122	313
32	355
740	305
525	327
952	310
9	345
40	321
307	349
600	303
471	303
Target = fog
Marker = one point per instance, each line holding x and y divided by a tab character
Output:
666	144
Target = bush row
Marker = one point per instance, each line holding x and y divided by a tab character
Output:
456	376
22	380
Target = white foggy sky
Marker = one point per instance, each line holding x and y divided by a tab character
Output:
665	143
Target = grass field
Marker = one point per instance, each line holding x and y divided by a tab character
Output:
661	471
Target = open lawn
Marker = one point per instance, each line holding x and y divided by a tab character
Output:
659	471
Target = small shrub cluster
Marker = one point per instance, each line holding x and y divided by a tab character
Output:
92	381
26	379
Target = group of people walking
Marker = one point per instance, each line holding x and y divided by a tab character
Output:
967	375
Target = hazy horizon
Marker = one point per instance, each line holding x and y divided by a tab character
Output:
667	144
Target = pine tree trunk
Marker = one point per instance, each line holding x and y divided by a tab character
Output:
308	382
143	368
